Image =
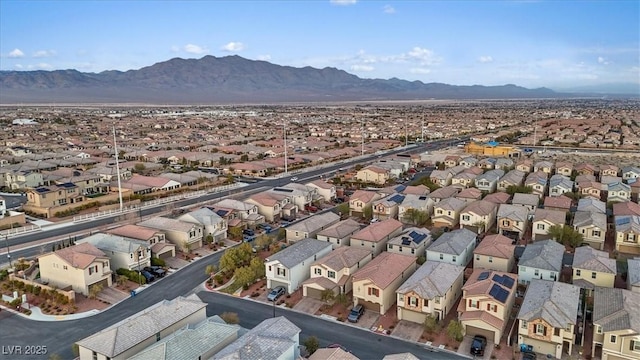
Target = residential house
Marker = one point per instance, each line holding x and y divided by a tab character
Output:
541	260
514	177
618	192
431	291
412	241
80	267
537	181
325	190
469	161
498	198
334	271
487	163
525	165
375	236
413	203
593	268
246	213
488	181
609	170
630	173
478	216
592	226
271	205
560	184
616	324
186	236
590	189
309	227
529	201
584	178
451	161
543	166
416	190
388	207
633	274
586	169
48	200
443	193
453	247
214	224
545	219
160	248
333	353
128	337
446	213
373	174
494	252
141	184
504	163
441	177
626	208
464	179
594	205
339	234
194	341
487	299
469	195
564	168
513	220
123	252
627	234
558	203
300	195
548	317
290	266
275	338
360	200
375	284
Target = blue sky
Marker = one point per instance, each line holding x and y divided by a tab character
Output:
558	44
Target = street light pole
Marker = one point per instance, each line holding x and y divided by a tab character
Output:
6	238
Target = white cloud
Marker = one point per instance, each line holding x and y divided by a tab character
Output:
44	53
40	66
343	2
233	47
388	9
19	66
175	49
264	57
485	59
195	49
602	61
16	53
424	56
421	71
363	68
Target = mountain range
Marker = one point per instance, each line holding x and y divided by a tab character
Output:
233	79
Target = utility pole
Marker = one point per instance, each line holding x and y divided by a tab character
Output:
535	134
362	135
284	134
115	149
422	132
6	238
406	135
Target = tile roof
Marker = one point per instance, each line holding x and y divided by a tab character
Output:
616	309
80	255
483	316
525	199
594	205
588	258
626	208
166	224
332	354
343	257
545	255
585	218
453	242
298	252
633	271
554	302
412	237
444	192
364	196
431	280
496	245
315	223
384	269
134	232
481	208
122	336
341	229
453	204
400	356
270	339
498	198
202	216
555	217
379	231
110	242
561	202
513	212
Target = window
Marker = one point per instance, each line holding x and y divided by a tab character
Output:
413	251
64	267
331	274
373	292
578	272
523	324
441	257
596	233
536	272
598	329
505	223
540	227
390	246
490	259
466	217
269	267
478	257
425	302
556	332
94	356
157	336
541	329
399	248
635	345
337	241
440	212
400	297
613	339
281	272
317	271
453	258
413	301
593	275
473	303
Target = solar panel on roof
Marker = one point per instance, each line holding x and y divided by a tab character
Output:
623	220
503	280
417	237
221	212
423	197
484	275
499	293
283	190
42	190
406	241
397	198
67	185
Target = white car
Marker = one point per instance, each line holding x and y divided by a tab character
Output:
295	178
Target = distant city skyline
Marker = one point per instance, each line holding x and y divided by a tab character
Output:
557	44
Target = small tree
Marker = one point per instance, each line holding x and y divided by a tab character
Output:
230	317
263	241
121	279
311	344
367	213
328	296
210	269
209	239
454	330
94	291
342	299
257	266
430	324
244	275
235	232
415	216
565	235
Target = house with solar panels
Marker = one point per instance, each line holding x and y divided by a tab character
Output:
387	208
628	234
413	241
487	299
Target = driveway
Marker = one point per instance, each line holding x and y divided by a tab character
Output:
112	295
175	262
308	305
368	320
465	345
408	330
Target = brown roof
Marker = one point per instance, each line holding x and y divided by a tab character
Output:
416	190
555	217
482	316
384	269
343	257
561	202
363	195
481	208
134	232
378	231
497	246
498	198
470	193
79	256
626	208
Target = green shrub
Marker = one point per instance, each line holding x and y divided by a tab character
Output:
4	274
158	262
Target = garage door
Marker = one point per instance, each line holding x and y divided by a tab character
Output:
473	331
164	255
104	283
369	305
629	249
614	357
313	293
275	283
413	316
541	347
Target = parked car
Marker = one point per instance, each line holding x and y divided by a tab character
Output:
295	178
266	227
529	356
310	208
275	293
147	276
248	232
478	344
156	271
355	313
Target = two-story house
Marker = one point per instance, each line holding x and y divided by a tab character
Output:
633	275
541	260
593	205
592	226
388	207
80	266
325	190
414	202
513	220
593	268
591	189
478	216
560	184
290	266
564	168
214	224
538	182
525	165
123	252
618	192
489	181
271	204
446	213
412	241
487	299
443	193
186	236
495	252
543	166
627	234
431	291
360	200
464	179
529	201
469	195
548	317
373	174
630	173
453	247
609	170
339	234
559	203
375	284
246	212
514	177
309	227
160	247
543	220
375	236
334	271
441	177
616	324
